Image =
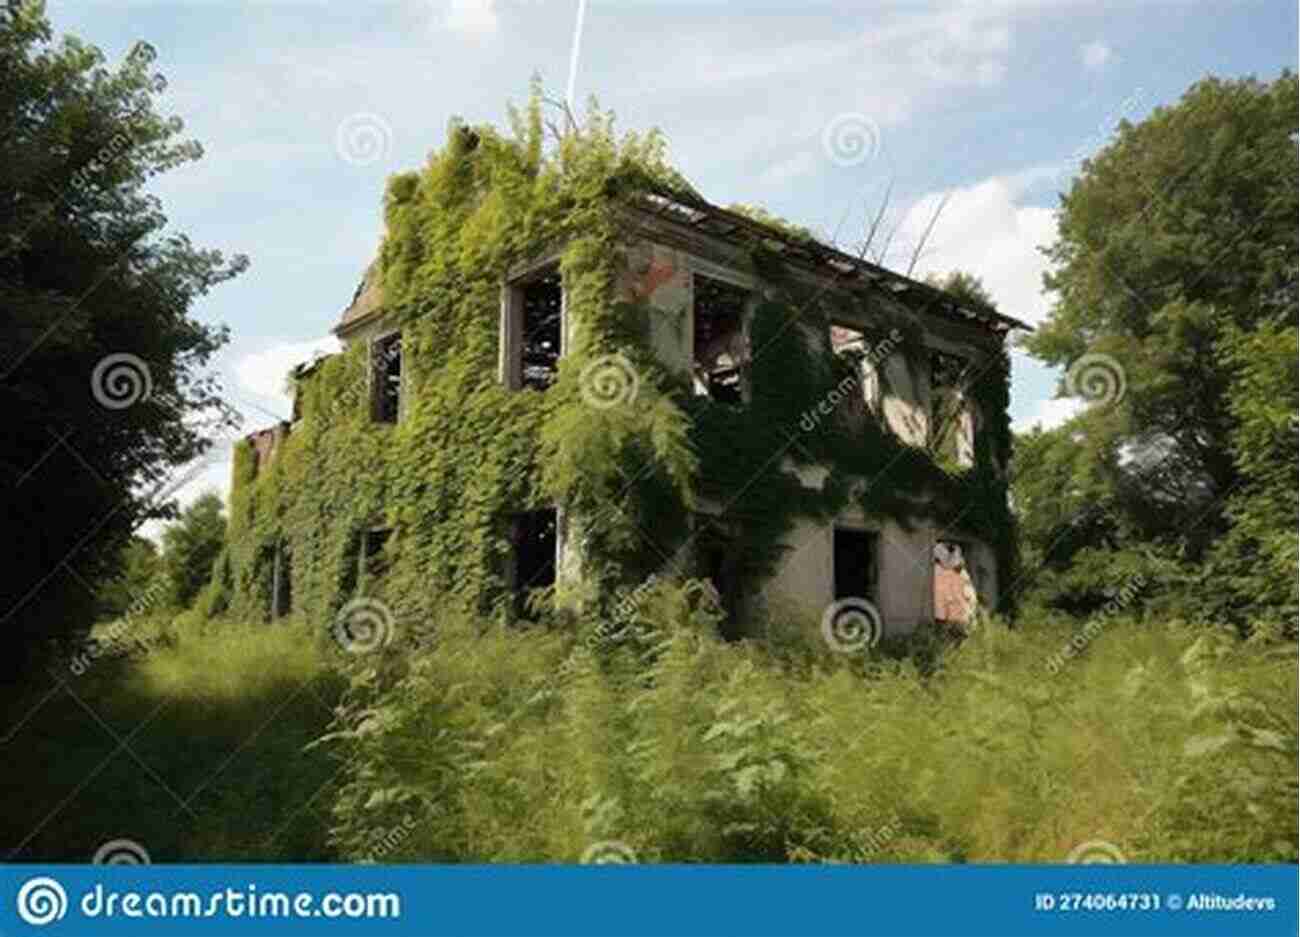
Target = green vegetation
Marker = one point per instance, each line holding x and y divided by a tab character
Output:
1175	741
99	348
1171	740
1142	696
1175	282
468	452
216	718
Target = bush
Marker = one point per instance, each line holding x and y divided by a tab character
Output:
1172	742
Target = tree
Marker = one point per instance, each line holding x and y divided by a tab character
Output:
190	547
135	588
1174	270
1180	230
102	378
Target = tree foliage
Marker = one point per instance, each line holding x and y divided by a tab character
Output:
87	271
190	547
1175	285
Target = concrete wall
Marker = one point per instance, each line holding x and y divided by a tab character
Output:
660	271
904	594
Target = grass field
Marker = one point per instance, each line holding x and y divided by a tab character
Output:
1162	742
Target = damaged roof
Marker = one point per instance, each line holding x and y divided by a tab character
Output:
689	209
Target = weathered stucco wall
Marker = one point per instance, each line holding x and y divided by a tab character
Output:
662	275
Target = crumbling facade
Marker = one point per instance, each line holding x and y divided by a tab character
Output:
658	387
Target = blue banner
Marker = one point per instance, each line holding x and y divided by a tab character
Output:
800	901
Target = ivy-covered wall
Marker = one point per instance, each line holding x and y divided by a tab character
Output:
468	453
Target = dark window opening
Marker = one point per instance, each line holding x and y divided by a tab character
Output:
534	539
719	347
386	369
718	563
282	585
543	313
855	564
372	550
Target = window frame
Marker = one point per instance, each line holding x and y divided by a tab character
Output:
510	328
696	271
376	389
874	578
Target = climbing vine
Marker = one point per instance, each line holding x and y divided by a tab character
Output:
468	453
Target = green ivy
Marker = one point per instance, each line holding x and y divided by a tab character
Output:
467	452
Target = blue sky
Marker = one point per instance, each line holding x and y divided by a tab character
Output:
991	103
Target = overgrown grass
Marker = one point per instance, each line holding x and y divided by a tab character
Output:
1171	741
188	739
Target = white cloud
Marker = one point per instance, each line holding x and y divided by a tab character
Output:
801	164
988	229
263	373
476	18
1050	413
1094	54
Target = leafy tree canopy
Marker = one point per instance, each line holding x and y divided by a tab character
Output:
87	272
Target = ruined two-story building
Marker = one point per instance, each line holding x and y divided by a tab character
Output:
573	374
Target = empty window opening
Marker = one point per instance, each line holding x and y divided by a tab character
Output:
955	594
386	380
717	562
534	540
855	554
860	390
543	316
282	582
719	346
373	558
952	418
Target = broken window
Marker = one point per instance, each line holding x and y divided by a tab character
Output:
952	417
854	553
532	332
955	594
720	347
386	378
863	397
373	559
534	541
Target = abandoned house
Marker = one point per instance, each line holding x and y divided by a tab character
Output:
845	426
